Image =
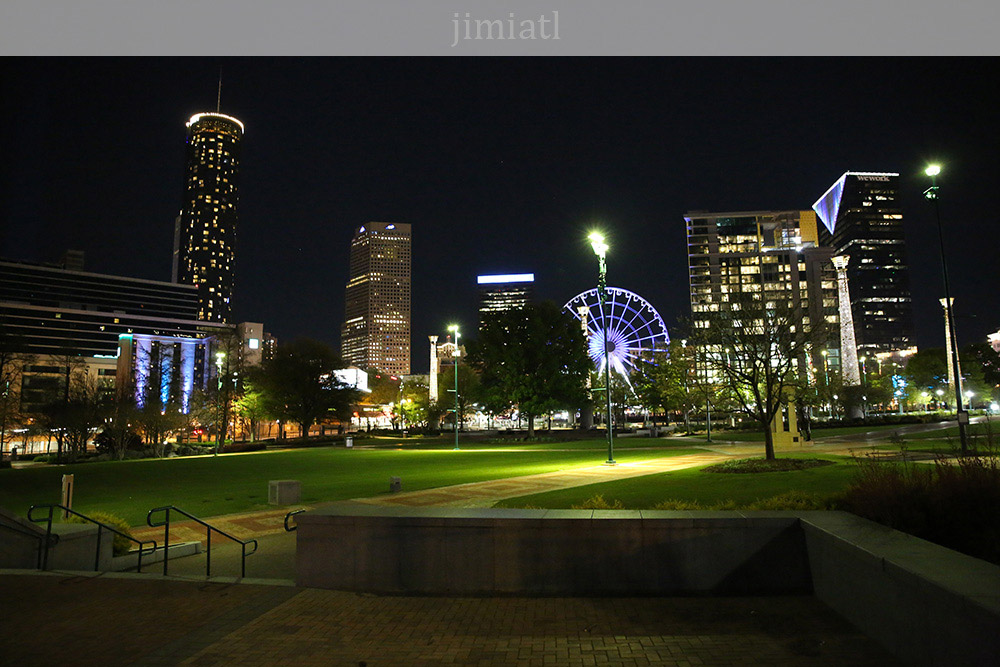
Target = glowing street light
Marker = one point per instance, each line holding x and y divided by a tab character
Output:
454	328
961	415
600	247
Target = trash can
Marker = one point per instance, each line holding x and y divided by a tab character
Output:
395	485
349	442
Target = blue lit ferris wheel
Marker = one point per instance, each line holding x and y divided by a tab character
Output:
634	327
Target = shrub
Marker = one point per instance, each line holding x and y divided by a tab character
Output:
108	439
5	464
44	458
952	503
232	448
763	465
598	503
792	500
120	545
192	450
678	505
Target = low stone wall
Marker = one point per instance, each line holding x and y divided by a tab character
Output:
74	549
549	552
926	604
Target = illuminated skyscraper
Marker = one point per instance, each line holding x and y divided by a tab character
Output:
205	232
862	219
499	293
376	330
773	253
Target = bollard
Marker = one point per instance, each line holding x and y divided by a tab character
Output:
67	494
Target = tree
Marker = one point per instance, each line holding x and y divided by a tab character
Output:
118	434
534	358
415	408
468	390
251	408
757	348
298	384
650	380
927	369
65	400
12	363
228	383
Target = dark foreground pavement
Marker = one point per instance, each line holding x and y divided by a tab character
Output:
62	618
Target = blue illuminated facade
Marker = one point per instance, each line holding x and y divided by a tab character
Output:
164	370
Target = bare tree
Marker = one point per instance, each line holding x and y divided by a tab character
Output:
757	347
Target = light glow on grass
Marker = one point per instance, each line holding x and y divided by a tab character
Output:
209	486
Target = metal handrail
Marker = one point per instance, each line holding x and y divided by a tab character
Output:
44	556
166	509
289	516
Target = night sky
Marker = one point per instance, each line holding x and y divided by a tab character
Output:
501	166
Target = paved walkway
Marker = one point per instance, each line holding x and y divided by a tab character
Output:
52	619
486	494
476	494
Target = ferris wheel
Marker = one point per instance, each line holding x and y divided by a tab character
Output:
634	327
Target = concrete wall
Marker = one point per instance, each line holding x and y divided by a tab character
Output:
552	552
74	550
926	604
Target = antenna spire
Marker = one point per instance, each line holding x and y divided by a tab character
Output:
218	101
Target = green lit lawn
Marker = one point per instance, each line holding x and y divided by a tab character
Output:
694	484
209	486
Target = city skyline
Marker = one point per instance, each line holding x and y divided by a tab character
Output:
502	166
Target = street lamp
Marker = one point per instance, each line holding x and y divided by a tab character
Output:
600	247
454	328
961	415
864	383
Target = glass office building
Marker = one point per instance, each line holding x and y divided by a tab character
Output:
862	219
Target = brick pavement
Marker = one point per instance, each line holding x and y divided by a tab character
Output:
104	620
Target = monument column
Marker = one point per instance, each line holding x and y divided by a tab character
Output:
433	378
949	347
848	343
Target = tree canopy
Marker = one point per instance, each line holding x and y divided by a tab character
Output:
534	358
298	384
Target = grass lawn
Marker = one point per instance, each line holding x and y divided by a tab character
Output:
209	486
694	484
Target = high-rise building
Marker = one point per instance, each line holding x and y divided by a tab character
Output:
862	219
57	311
205	231
376	330
770	252
499	293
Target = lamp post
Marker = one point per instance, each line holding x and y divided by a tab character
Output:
961	415
223	397
454	328
864	385
600	247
